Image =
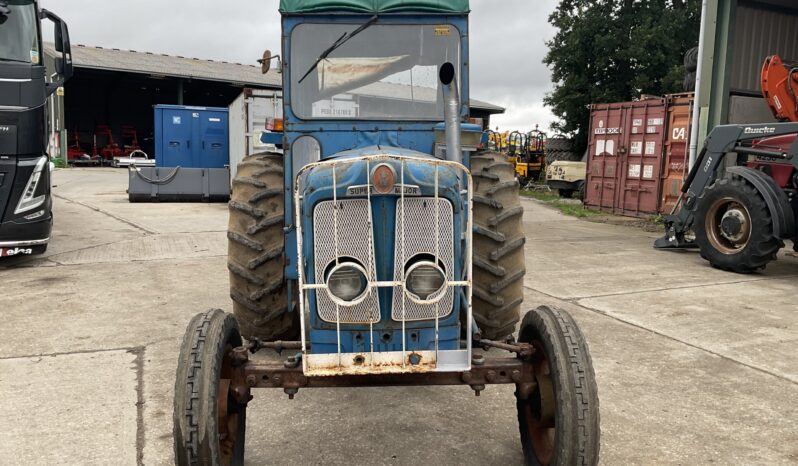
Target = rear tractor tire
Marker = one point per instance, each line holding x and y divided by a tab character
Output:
559	418
498	246
734	228
256	247
209	418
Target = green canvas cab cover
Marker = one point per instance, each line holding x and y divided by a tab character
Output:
373	6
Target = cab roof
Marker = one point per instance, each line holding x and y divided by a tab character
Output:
374	6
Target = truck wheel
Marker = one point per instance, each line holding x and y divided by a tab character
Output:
498	246
733	227
256	245
566	193
209	423
581	192
559	417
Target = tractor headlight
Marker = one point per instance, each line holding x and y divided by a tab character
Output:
424	282
28	201
347	284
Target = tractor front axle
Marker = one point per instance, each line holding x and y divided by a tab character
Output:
289	376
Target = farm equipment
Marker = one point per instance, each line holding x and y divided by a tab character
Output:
130	141
76	155
109	149
740	220
372	261
75	149
530	161
26	218
568	178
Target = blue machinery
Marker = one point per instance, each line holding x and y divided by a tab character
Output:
192	157
374	278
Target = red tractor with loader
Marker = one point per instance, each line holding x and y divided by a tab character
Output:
740	217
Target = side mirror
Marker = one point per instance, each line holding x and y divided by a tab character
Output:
266	62
63	64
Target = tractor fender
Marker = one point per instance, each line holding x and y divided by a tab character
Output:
775	199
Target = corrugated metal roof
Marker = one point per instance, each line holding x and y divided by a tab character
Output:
131	61
760	32
490	108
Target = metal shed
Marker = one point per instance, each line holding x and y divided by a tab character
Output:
736	36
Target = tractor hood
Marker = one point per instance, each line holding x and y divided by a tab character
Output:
354	172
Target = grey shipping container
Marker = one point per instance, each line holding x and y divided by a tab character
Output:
249	114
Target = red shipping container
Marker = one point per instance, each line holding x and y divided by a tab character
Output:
680	113
625	156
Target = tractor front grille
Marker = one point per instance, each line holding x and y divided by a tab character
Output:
425	230
421	235
355	240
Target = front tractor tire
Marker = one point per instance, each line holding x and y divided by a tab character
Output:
209	420
256	246
734	228
558	418
498	246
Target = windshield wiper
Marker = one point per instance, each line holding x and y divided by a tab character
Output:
341	41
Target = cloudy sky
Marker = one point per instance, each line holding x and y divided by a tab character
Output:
507	41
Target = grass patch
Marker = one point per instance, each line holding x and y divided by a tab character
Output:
568	207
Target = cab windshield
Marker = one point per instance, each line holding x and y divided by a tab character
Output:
386	72
19	35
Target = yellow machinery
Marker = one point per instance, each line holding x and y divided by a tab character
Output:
527	153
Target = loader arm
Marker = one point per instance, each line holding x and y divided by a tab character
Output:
780	88
722	141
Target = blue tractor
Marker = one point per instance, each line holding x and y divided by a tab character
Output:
377	245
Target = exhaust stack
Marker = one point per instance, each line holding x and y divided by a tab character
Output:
451	112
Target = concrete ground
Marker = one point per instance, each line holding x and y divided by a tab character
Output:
694	365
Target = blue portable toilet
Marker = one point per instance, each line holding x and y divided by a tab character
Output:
191	137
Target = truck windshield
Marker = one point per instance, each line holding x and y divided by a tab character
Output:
387	72
19	35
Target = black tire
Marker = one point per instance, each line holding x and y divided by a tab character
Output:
570	434
256	248
691	60
559	144
689	81
498	246
560	148
565	193
204	360
581	192
756	247
558	155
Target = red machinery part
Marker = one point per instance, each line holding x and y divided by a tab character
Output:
111	150
130	140
780	88
780	172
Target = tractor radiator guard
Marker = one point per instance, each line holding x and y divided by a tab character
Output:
342	228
